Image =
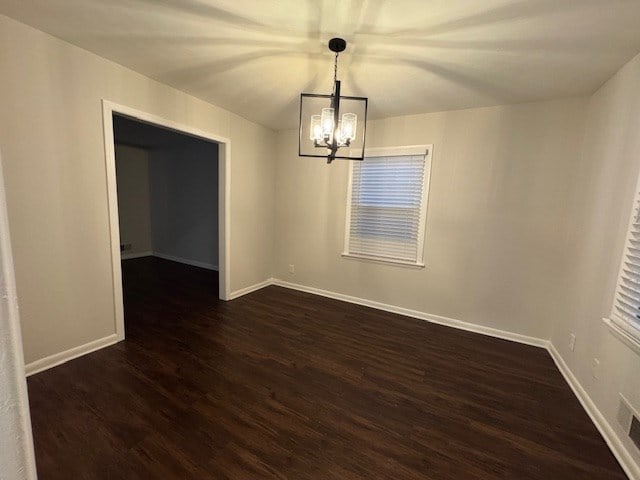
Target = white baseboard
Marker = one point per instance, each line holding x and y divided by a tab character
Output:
250	288
75	352
604	427
449	322
186	261
129	256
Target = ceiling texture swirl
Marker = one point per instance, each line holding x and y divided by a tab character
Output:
255	57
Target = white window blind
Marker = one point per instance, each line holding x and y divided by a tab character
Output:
626	309
386	205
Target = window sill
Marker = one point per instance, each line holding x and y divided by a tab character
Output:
385	261
630	340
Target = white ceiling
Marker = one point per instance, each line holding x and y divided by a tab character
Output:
254	57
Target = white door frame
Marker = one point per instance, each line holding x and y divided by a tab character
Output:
224	196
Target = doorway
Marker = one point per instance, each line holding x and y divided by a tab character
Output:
167	209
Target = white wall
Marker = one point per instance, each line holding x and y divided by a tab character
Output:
134	210
184	201
496	232
605	184
51	135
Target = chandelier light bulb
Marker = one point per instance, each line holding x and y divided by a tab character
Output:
339	137
315	131
348	127
327	122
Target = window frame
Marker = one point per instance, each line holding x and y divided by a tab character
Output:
622	328
409	150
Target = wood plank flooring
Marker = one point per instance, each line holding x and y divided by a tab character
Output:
285	385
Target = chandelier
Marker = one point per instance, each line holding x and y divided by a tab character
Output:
332	126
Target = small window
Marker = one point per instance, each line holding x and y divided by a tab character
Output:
387	205
625	315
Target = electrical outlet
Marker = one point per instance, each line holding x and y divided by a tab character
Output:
595	370
292	268
572	342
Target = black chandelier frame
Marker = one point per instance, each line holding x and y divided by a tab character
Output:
331	149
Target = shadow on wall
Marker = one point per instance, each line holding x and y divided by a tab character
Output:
167	193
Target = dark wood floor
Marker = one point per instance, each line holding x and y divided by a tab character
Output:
286	385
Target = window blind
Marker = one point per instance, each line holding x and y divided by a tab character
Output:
626	312
387	207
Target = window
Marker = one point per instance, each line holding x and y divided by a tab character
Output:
387	205
625	316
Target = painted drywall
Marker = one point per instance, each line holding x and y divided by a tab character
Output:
134	209
51	135
17	459
184	201
496	232
604	187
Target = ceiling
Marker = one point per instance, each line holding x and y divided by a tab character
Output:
144	135
254	57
